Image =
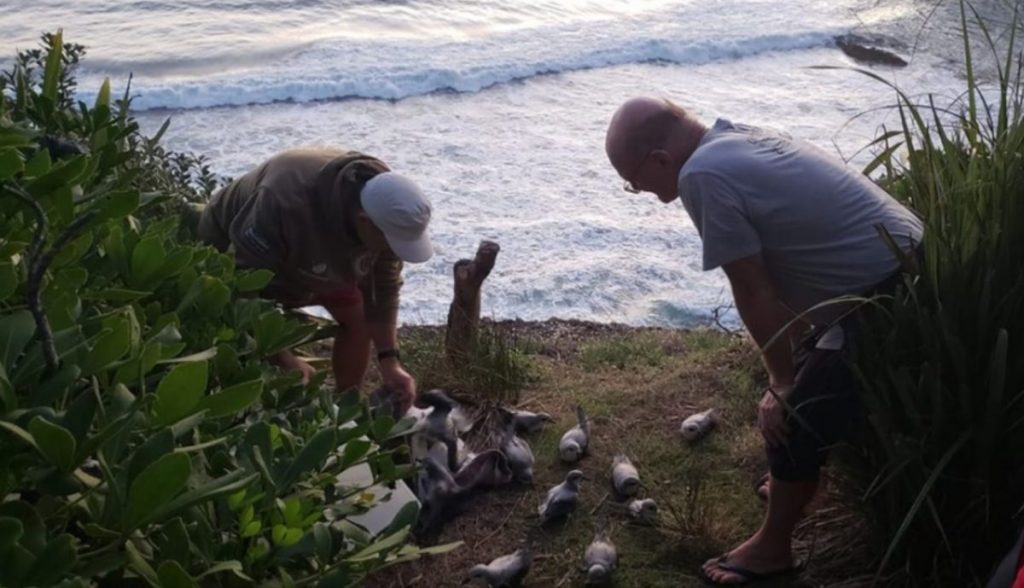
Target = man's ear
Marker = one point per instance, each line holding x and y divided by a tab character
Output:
661	156
366	224
363	219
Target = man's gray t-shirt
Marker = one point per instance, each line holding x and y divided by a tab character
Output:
812	218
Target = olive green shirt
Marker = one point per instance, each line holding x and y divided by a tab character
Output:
294	215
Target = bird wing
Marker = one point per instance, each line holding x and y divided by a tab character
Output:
562	503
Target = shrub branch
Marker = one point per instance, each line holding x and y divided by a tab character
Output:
39	262
33	293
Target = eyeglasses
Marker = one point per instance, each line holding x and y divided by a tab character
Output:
630	185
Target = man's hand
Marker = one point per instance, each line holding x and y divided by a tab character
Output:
399	380
289	361
771	415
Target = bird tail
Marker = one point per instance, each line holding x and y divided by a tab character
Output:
584	421
508	427
601	527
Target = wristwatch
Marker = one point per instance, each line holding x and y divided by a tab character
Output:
388	353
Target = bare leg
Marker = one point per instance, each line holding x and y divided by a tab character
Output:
770	548
351	354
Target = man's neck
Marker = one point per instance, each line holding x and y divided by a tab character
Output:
692	134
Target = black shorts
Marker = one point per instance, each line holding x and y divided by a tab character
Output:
826	400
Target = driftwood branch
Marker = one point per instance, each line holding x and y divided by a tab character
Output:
717	313
464	313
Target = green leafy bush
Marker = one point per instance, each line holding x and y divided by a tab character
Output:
940	362
143	438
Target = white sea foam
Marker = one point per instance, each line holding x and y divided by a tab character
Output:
237	53
524	165
521	163
357	71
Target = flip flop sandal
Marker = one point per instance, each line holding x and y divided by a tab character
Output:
747	577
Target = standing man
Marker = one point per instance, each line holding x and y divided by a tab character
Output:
334	226
791	227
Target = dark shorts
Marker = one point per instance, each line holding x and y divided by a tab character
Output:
826	400
826	397
342	297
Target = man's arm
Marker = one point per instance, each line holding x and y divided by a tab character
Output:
763	314
381	299
384	336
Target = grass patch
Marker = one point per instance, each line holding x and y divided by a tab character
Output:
623	352
707	341
497	371
704	491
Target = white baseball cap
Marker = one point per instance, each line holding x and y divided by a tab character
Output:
402	212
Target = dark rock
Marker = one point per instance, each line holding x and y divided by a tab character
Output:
865	50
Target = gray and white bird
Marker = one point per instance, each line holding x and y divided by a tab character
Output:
517	450
644	510
561	499
444	494
505	571
424	440
439	494
529	422
698	425
439	451
444	423
625	478
573	444
601	559
486	470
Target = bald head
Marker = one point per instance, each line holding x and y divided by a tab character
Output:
640	125
645	126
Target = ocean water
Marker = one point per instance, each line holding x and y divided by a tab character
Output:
499	109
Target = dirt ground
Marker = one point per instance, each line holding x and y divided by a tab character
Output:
637	386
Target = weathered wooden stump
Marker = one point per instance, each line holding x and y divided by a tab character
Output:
464	313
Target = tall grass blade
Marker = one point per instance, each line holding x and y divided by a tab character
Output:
972	107
921	497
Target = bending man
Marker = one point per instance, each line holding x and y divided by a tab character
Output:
792	227
334	226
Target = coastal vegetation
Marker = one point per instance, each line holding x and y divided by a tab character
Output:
145	441
940	360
